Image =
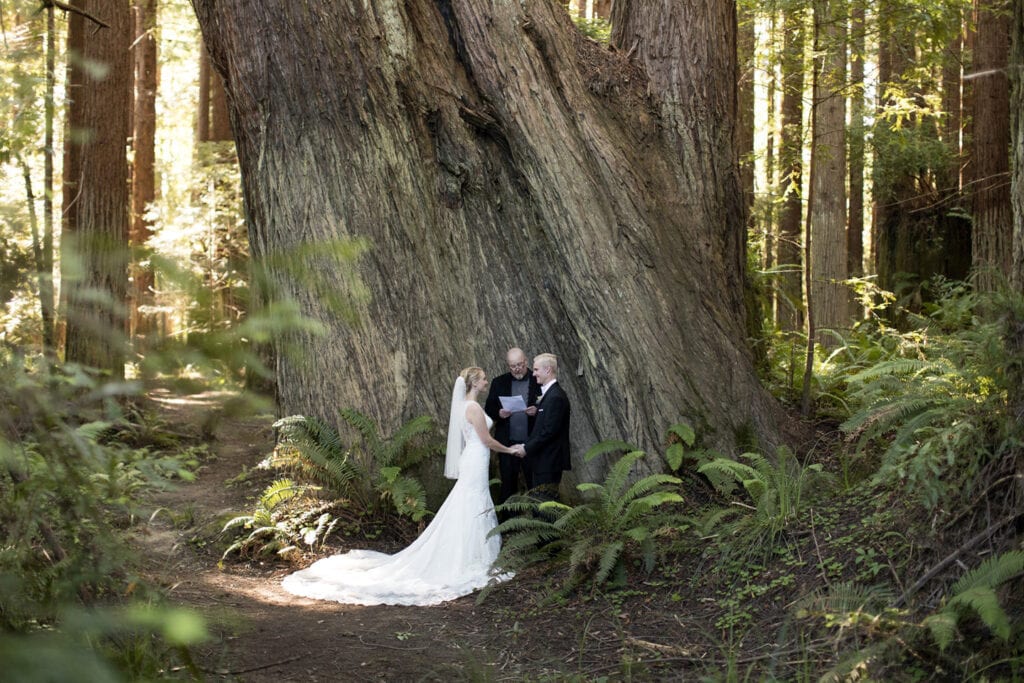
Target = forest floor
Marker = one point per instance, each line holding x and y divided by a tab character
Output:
659	628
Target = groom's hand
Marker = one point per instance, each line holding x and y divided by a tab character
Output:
519	450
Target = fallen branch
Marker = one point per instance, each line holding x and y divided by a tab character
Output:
74	10
221	672
949	559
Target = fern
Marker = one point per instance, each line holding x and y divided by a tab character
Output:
975	592
598	536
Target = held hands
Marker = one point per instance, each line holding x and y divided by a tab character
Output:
519	450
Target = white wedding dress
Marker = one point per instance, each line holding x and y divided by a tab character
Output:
451	558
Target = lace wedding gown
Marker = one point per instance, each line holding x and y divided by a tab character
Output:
451	558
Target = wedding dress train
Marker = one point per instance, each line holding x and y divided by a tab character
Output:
451	558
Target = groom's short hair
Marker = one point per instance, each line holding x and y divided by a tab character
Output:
548	360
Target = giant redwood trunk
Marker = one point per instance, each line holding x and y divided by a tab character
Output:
516	184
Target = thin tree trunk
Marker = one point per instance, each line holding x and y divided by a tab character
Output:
143	166
1017	113
828	179
220	120
47	301
992	237
789	302
768	262
855	229
747	46
949	181
507	198
95	238
203	105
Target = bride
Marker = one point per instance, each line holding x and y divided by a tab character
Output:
453	556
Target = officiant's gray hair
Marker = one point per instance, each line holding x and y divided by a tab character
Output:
548	360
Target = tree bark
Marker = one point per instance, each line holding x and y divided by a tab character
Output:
827	224
1017	155
143	166
47	301
789	302
95	232
992	236
517	184
203	103
855	228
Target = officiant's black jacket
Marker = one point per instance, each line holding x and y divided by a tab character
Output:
502	386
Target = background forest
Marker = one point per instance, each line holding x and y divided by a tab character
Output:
797	367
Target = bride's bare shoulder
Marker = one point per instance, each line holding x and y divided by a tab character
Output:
473	408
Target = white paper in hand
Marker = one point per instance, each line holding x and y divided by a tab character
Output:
513	404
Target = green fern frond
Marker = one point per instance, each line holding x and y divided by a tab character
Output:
652	482
737	470
993	572
684	432
983	600
367	429
278	492
609	446
619	475
641	506
610	557
398	444
942	627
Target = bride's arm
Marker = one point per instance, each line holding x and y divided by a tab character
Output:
475	415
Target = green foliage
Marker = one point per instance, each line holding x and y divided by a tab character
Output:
598	538
778	490
66	486
598	29
935	404
372	469
275	527
975	593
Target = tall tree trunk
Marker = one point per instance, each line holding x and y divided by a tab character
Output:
143	165
747	46
827	224
991	244
949	180
47	303
95	233
220	118
1017	155
855	228
789	302
203	103
508	197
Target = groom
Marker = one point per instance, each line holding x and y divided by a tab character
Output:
547	449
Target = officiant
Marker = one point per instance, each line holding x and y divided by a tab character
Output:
513	426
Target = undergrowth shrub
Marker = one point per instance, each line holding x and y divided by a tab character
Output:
65	492
935	408
613	526
372	470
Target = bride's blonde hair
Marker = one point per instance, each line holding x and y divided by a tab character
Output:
471	375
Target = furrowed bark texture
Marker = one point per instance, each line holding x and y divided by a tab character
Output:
517	184
1017	153
991	243
94	243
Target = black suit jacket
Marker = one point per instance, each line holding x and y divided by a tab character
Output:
547	450
502	386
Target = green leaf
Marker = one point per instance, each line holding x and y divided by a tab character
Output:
610	446
685	433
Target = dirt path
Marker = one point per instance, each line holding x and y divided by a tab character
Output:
262	633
